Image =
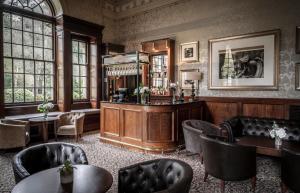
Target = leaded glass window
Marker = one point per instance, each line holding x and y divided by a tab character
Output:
37	6
80	69
28	55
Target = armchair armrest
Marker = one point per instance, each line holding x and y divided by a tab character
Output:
12	136
79	122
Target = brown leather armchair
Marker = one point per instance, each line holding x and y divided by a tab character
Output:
290	170
228	162
70	124
14	134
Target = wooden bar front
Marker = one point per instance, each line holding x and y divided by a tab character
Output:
154	128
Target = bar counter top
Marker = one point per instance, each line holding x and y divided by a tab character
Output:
155	103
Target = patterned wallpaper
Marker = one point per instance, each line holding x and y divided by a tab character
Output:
201	20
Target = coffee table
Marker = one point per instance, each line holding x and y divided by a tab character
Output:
87	179
266	146
44	121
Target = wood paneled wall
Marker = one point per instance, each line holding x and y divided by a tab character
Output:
218	109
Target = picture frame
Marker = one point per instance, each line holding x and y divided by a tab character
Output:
245	62
189	52
183	78
297	76
297	40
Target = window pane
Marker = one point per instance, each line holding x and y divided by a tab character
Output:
38	9
38	53
82	59
29	67
18	80
75	70
17	36
32	3
18	66
6	20
29	94
38	26
7	49
48	55
47	42
49	68
17	22
76	94
83	82
18	95
7	65
27	24
83	93
83	70
7	80
39	81
39	94
82	47
38	40
6	35
8	96
17	51
28	38
46	9
49	81
29	80
75	46
39	67
76	83
75	58
28	52
48	29
49	93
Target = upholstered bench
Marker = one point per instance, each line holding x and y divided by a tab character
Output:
253	126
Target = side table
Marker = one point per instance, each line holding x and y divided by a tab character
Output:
44	121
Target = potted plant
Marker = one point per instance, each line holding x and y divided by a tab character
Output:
278	133
66	173
45	107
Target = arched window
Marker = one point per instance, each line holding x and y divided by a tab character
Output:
28	51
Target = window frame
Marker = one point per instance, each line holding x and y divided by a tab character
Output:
86	40
44	18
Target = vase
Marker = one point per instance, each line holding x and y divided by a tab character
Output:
66	178
144	99
278	142
174	98
46	114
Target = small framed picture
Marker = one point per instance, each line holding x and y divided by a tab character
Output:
297	76
189	52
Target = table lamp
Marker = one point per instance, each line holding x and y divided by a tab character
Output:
191	78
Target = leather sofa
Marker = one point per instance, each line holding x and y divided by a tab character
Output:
228	161
45	156
245	126
160	176
290	170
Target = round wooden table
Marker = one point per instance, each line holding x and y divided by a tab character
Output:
44	121
87	179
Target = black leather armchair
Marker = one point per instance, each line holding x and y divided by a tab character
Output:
159	176
290	170
254	126
45	156
192	129
228	162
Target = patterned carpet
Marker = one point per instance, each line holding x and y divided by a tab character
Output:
112	158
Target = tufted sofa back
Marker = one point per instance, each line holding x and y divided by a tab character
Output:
254	126
69	118
45	156
161	175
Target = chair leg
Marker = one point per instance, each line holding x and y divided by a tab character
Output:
284	188
253	182
222	186
201	158
205	176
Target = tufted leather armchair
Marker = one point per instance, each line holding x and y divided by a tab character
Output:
45	156
244	126
192	129
228	161
14	133
290	170
156	176
70	123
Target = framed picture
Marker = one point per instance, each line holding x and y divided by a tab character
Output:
245	62
184	75
298	39
189	52
297	76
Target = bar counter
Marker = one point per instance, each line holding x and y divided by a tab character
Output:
154	127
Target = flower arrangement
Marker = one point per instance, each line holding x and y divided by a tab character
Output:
278	133
173	87
144	92
45	107
66	172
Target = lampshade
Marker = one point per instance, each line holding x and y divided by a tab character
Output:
191	75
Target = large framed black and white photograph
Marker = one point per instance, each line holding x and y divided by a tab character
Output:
245	62
189	52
